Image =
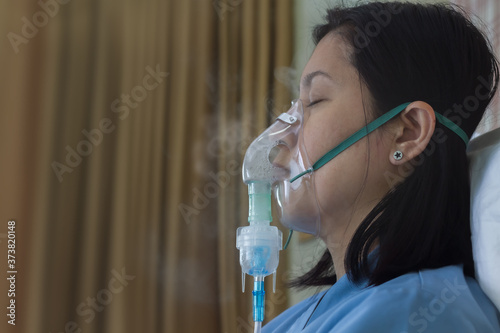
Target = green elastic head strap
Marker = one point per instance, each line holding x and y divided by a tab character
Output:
370	128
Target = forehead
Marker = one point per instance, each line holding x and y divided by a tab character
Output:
331	56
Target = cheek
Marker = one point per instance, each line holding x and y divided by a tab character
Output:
339	182
320	137
327	129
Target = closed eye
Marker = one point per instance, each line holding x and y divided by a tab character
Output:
315	102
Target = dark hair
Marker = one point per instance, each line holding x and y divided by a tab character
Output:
406	52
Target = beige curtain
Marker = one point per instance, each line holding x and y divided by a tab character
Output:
124	124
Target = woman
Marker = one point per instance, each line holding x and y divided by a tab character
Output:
394	205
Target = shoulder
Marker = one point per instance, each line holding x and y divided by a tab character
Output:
434	300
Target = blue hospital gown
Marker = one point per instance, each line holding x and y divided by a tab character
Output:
435	300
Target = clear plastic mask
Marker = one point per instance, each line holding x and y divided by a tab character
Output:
276	157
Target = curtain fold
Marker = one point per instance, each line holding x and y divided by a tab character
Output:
124	125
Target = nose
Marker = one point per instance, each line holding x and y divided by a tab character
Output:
279	156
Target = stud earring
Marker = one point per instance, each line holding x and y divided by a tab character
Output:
398	155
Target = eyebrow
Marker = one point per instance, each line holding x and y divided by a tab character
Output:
307	80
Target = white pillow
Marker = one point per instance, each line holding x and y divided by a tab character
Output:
484	155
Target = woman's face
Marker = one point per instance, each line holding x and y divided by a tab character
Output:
336	105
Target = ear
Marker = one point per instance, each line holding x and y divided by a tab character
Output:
414	131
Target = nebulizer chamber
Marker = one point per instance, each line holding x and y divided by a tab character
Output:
259	243
269	162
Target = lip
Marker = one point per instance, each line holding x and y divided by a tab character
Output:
284	168
281	173
280	166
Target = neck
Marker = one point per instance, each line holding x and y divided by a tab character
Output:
339	235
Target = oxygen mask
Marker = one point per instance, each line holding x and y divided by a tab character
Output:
276	157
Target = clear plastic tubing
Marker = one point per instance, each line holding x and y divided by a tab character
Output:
258	299
258	327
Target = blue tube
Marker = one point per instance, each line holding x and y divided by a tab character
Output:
258	299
